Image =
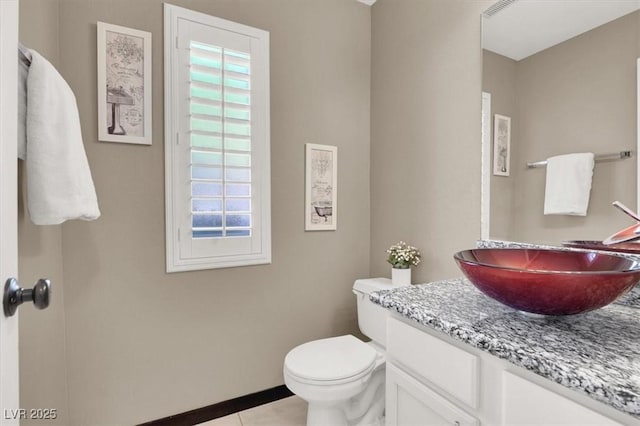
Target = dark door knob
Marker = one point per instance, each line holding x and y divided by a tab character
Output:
14	295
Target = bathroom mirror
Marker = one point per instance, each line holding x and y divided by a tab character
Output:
565	73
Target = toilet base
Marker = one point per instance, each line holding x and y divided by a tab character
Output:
322	415
319	415
365	409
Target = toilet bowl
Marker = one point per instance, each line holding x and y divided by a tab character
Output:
342	378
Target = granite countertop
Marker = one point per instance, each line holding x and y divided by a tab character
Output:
596	353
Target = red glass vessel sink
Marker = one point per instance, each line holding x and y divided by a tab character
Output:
547	281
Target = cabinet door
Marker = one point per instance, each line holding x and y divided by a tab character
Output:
449	368
411	403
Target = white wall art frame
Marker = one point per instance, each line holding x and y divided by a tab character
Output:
485	180
638	135
501	145
124	85
321	187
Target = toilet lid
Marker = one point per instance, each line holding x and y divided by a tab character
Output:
330	359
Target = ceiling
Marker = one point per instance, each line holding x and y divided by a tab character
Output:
520	28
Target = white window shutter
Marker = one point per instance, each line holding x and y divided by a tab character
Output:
217	142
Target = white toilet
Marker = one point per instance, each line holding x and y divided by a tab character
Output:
342	378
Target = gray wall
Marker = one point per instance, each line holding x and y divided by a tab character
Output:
425	131
142	344
578	96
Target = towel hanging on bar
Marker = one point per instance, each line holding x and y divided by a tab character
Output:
59	182
622	155
568	184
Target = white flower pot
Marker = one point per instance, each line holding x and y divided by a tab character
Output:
401	276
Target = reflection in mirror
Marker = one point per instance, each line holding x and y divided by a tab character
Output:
565	72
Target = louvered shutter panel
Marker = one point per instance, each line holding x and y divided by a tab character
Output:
220	137
217	142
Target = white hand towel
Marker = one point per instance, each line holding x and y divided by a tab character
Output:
568	184
59	183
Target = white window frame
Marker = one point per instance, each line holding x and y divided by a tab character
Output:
222	252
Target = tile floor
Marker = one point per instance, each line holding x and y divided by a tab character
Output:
290	411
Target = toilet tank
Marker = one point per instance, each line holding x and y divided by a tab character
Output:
372	318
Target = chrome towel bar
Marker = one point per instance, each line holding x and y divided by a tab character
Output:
622	155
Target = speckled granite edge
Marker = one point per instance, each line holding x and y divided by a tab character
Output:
597	354
631	299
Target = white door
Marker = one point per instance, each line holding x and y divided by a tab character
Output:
9	399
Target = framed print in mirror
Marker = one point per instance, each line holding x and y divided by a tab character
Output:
321	187
124	85
501	145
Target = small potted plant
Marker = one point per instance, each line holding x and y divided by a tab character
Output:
402	257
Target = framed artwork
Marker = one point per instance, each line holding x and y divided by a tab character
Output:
321	187
124	85
501	145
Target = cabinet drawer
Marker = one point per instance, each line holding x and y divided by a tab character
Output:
450	368
526	403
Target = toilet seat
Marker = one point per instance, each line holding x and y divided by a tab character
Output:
331	361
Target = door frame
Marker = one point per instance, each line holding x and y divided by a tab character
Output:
9	373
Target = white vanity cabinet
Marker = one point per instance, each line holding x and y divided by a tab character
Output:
432	379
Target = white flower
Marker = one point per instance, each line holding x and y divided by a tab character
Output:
402	255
